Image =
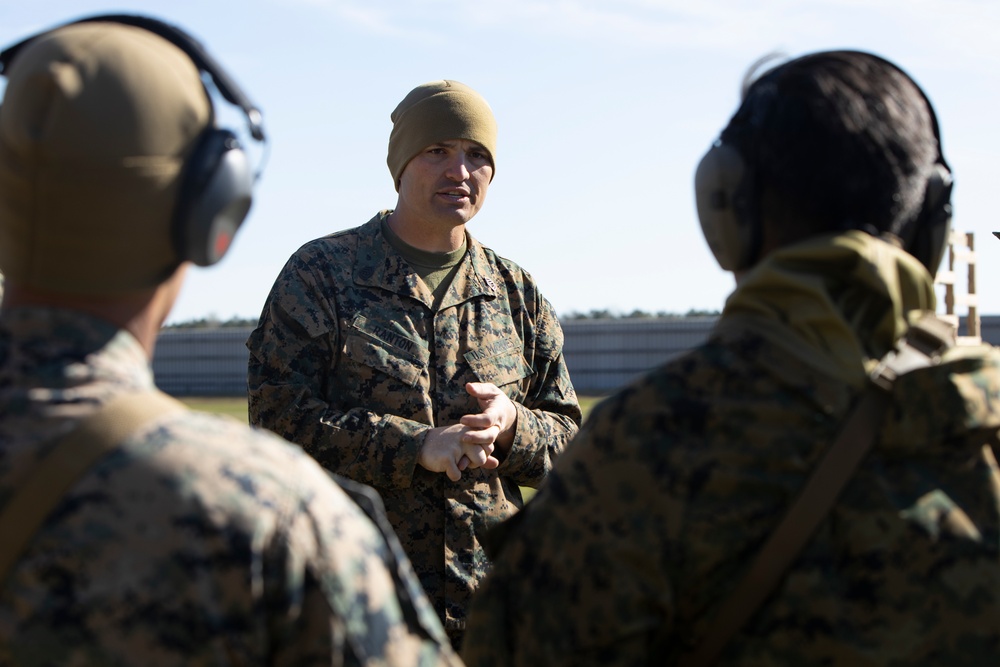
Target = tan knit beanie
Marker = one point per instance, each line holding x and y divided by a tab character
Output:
95	125
439	111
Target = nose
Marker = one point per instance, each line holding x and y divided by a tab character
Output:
458	167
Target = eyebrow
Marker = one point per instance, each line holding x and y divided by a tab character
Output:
454	143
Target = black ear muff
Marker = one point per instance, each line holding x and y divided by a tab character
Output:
724	195
216	181
926	235
929	233
215	196
728	207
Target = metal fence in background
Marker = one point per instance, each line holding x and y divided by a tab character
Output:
602	355
202	362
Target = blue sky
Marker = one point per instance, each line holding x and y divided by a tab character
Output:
604	108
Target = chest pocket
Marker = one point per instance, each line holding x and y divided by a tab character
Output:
380	348
500	369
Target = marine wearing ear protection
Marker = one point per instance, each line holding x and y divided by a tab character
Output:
728	201
217	181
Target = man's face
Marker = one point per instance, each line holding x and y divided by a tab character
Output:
445	184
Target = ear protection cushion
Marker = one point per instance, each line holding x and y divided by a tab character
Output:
723	187
929	232
215	197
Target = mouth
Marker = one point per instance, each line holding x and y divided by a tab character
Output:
454	194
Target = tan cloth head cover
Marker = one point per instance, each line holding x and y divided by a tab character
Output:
95	124
435	112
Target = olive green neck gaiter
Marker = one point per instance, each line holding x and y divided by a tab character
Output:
838	302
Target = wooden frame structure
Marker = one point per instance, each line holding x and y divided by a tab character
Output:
961	250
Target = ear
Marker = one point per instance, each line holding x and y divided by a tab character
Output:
723	186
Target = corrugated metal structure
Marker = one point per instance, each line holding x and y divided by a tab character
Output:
989	328
202	362
602	355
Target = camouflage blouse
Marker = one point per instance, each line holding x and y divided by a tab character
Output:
657	507
196	542
351	361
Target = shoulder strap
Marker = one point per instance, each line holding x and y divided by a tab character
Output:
921	347
70	457
407	586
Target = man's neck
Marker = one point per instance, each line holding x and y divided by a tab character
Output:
428	238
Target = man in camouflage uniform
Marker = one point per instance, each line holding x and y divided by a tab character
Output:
404	349
652	515
196	541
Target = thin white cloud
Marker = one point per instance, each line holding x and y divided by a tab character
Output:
967	28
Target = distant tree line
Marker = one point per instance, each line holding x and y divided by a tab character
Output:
212	322
604	314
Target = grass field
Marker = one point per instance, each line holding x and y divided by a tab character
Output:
236	406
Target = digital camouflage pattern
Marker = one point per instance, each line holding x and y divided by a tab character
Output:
198	542
655	510
350	361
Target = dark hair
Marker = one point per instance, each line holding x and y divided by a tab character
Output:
840	140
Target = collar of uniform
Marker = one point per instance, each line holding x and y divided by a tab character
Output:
474	277
837	302
58	363
380	265
58	330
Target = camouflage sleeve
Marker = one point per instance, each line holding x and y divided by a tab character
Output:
362	573
336	588
291	353
579	578
350	609
550	415
200	542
